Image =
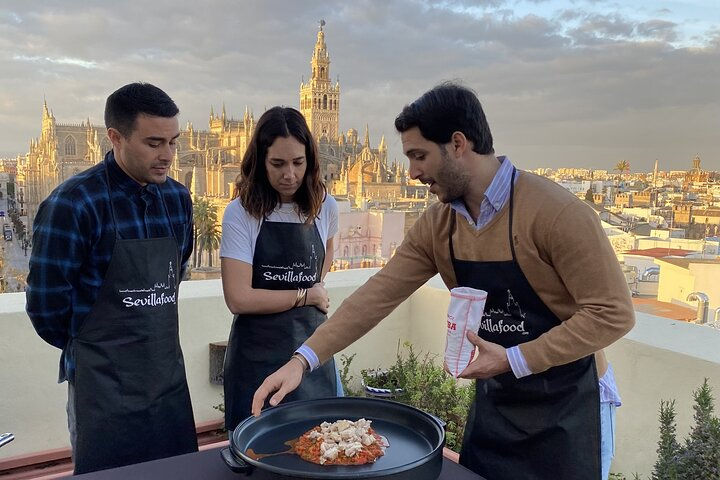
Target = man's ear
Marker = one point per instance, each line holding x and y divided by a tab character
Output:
460	143
114	136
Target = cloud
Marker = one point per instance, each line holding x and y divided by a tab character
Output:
658	29
78	62
602	29
559	85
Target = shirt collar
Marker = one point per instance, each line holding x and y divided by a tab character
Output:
497	192
121	179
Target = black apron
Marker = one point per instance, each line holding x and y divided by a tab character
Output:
287	256
538	427
131	399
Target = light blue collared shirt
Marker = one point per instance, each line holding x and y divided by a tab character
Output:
496	196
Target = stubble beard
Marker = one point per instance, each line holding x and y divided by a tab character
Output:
453	180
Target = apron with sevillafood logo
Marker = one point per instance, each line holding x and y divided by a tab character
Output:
287	256
129	396
542	426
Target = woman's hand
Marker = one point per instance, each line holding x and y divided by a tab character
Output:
317	296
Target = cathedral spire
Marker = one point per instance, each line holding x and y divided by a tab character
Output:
46	110
366	143
319	98
320	55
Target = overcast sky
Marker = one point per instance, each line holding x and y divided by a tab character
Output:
582	83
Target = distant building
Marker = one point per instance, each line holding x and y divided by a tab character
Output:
6	181
352	168
61	151
624	200
319	97
644	198
208	161
710	218
682	213
668	233
681	277
366	238
696	174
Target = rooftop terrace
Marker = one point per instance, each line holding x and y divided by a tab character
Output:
660	359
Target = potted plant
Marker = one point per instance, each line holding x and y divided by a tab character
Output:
420	381
381	383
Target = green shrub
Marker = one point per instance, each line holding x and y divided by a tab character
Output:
699	457
668	447
424	385
346	378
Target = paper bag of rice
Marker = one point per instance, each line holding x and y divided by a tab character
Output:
464	314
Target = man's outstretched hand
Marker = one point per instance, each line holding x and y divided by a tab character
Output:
286	379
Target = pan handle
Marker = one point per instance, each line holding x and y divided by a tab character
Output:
6	438
235	464
442	422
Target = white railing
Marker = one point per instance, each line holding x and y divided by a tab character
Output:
659	359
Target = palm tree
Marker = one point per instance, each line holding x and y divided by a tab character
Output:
622	166
207	235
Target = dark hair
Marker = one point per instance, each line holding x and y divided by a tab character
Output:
125	104
253	188
445	109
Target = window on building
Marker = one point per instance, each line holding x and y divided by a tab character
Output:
70	146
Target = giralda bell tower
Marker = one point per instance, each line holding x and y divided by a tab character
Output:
319	98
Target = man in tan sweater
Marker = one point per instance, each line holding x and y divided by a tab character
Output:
556	298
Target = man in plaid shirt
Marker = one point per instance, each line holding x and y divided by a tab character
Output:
110	246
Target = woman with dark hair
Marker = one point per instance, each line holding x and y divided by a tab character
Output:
277	246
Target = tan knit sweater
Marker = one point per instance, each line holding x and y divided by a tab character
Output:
561	248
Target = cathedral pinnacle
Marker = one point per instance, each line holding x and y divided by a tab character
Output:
320	47
319	98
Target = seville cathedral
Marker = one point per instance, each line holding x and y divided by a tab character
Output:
208	161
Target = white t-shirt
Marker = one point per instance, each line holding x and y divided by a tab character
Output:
240	229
